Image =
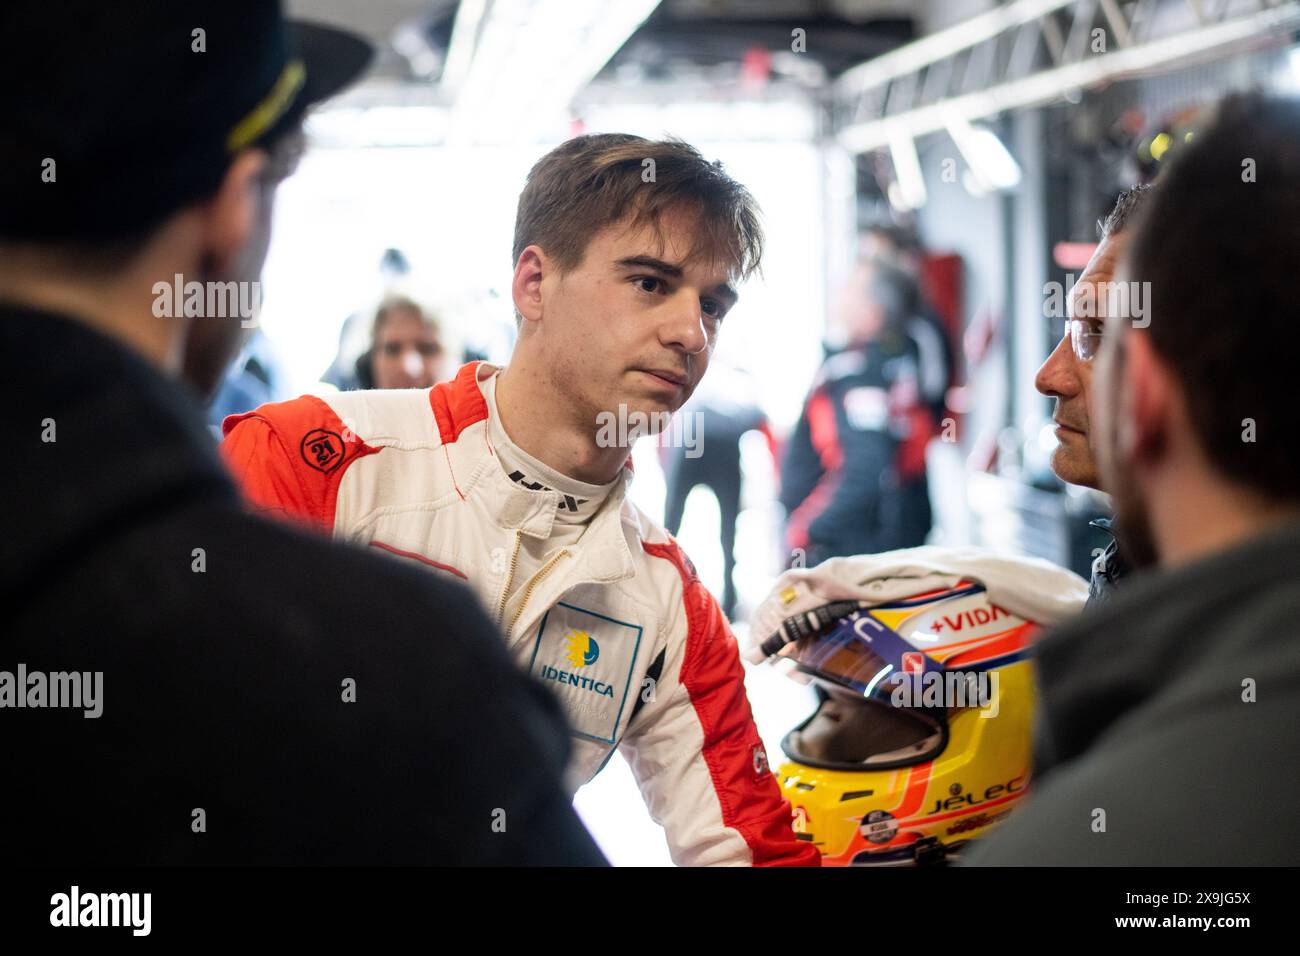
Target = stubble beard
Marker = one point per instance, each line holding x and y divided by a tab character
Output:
1132	515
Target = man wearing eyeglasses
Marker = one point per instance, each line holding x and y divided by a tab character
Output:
1067	377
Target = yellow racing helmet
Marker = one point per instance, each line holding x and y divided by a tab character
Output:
921	740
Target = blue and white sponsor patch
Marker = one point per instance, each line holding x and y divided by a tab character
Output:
586	659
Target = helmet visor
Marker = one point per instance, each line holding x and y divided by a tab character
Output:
860	654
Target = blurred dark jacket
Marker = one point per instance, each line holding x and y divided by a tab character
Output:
223	683
1148	713
853	472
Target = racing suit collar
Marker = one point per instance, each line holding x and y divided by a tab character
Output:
605	554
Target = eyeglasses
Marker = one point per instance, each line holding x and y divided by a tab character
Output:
1085	337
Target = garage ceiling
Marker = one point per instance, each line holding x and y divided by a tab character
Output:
679	35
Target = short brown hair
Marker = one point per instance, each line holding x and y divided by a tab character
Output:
591	182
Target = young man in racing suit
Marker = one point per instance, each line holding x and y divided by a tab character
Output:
514	480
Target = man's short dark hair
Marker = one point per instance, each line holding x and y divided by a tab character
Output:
1218	244
1128	203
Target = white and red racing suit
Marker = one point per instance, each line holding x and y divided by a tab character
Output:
616	623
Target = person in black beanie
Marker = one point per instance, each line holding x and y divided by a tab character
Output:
182	682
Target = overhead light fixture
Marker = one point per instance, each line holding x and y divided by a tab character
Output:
410	41
1293	60
911	193
990	166
530	58
464	38
974	185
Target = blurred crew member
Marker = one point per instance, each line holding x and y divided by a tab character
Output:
406	348
356	333
725	406
900	249
853	475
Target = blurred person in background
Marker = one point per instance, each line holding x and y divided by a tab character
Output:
1066	376
356	333
406	349
212	651
255	378
1166	734
900	249
853	473
727	407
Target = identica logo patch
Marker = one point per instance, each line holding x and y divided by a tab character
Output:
580	651
586	683
583	651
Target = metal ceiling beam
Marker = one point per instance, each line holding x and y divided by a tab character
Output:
872	126
943	44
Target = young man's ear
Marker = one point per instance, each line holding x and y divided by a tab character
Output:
232	214
1149	390
526	288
